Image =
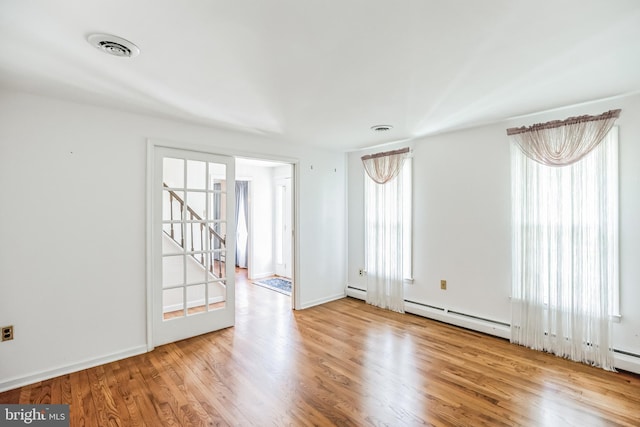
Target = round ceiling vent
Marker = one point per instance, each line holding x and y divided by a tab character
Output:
114	45
381	128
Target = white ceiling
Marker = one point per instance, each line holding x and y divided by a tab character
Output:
322	72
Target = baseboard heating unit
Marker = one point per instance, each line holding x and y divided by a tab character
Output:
625	360
468	321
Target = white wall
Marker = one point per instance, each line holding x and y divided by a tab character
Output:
462	219
326	187
73	216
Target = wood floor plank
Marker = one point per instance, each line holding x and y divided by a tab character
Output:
118	380
107	400
343	363
12	396
82	409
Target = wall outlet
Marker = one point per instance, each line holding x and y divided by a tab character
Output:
443	285
361	272
7	333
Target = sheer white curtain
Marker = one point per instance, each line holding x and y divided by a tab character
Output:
384	229
565	250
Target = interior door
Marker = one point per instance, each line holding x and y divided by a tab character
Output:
283	227
193	284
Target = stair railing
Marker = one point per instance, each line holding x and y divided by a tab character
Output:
213	235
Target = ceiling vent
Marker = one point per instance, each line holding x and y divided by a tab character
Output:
114	45
381	128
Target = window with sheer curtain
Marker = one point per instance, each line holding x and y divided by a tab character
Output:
388	188
565	251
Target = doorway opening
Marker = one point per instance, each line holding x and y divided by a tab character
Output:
265	221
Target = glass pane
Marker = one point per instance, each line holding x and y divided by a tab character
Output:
407	247
217	171
173	172
172	303
217	295
217	233
172	205
172	239
219	184
216	264
196	203
196	175
196	271
217	205
172	270
196	235
196	299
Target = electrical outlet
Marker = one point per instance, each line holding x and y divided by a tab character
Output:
443	285
7	333
361	272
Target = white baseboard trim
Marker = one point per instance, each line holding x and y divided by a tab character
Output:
319	301
191	304
261	276
11	383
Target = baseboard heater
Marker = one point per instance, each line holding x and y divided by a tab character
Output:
625	360
626	353
470	316
457	318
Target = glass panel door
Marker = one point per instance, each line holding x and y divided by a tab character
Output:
193	283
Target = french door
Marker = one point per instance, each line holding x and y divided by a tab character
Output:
193	244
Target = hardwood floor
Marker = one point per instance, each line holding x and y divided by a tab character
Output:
343	363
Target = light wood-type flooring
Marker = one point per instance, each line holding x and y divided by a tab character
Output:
343	363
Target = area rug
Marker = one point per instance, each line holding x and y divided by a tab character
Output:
277	284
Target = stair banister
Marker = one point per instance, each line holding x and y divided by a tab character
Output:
193	215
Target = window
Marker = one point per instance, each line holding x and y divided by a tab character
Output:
407	220
387	227
565	254
566	226
382	214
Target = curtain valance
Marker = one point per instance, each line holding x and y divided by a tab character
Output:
383	167
563	142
